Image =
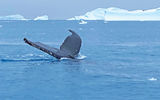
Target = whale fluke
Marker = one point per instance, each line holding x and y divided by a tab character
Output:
69	48
71	44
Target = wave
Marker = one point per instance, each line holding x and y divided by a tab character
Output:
80	57
152	79
24	60
33	57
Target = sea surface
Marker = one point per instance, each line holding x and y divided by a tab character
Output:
118	61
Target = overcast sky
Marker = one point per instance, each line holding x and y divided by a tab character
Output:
63	9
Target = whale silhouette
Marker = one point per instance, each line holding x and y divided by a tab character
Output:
69	48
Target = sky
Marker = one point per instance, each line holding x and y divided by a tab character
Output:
64	9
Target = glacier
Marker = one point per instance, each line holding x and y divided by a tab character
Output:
117	14
44	17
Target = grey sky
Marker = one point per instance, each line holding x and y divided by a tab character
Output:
63	9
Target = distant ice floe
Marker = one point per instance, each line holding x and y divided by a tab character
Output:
152	79
45	17
117	14
20	17
12	17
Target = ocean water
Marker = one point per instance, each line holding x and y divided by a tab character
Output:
119	61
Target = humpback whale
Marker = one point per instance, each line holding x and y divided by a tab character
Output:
69	48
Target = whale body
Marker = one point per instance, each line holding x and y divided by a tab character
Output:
69	48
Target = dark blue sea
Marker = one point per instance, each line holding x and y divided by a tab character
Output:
119	61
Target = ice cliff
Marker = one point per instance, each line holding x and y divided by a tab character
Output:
115	14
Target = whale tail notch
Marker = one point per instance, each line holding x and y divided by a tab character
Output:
69	48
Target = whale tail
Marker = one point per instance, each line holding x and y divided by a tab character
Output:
71	44
69	48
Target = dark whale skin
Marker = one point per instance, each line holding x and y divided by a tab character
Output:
69	48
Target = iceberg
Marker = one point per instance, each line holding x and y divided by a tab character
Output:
117	14
20	17
45	17
12	17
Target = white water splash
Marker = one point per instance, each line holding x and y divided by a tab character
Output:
30	54
80	57
82	22
152	79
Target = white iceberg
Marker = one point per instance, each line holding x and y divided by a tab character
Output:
20	17
12	17
45	17
117	14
